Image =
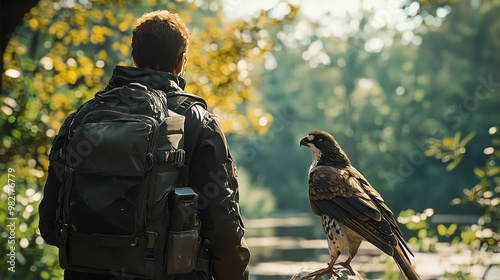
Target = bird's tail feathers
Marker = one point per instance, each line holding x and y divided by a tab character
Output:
404	264
401	240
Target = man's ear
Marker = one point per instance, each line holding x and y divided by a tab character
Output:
135	63
179	69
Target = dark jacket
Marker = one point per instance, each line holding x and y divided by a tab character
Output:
212	173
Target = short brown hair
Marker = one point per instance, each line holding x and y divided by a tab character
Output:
158	40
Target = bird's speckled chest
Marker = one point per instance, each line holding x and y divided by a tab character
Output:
338	235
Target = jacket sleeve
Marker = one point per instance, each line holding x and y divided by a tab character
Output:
50	201
213	175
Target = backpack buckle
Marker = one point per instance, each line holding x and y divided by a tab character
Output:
176	156
64	236
151	237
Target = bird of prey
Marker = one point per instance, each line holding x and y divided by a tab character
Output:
351	210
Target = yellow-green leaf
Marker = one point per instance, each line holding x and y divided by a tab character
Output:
479	173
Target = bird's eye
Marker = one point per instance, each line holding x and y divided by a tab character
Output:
319	139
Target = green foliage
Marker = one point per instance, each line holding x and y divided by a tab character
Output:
482	236
64	53
33	260
390	272
446	231
426	238
486	192
382	105
468	237
256	201
460	275
449	148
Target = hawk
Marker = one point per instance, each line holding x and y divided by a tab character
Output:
351	210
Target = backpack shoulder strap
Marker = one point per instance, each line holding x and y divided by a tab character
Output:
180	102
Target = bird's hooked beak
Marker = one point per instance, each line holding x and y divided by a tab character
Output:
306	140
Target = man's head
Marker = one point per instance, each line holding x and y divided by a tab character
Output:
160	41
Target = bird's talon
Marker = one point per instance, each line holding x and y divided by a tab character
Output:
348	266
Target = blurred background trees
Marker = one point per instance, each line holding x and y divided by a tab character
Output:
382	81
403	85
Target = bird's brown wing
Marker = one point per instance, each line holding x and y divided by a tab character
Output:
341	195
384	209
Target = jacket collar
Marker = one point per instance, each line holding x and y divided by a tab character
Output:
124	75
